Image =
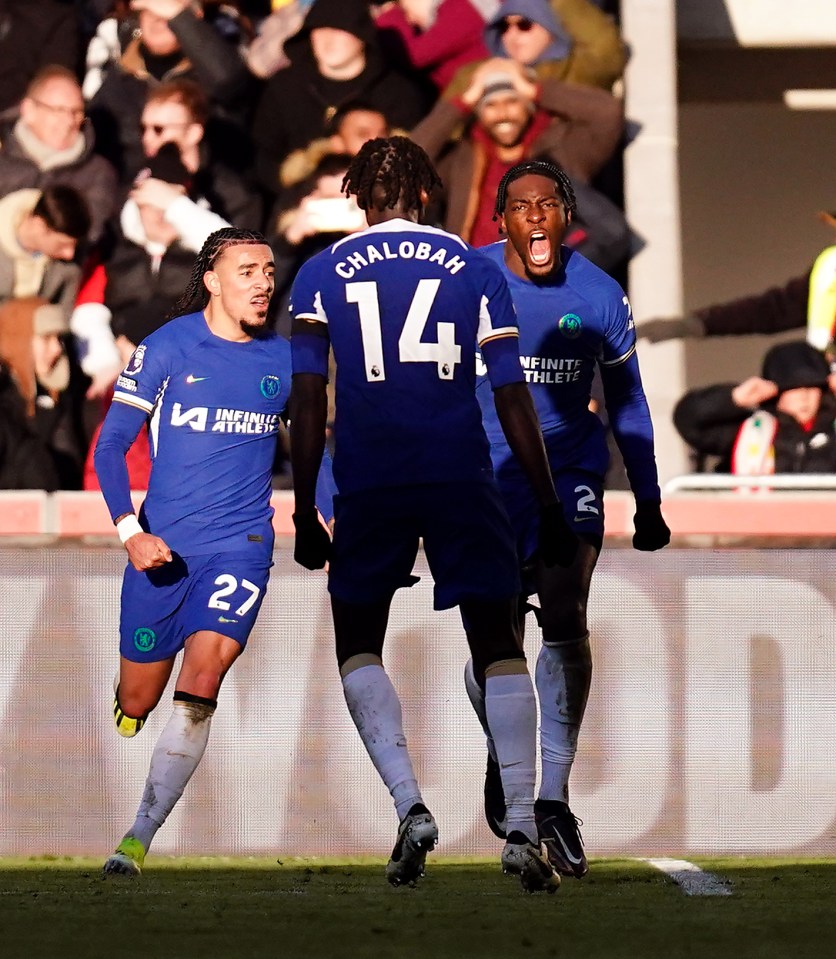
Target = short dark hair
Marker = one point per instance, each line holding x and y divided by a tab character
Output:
64	210
546	168
183	91
353	106
398	167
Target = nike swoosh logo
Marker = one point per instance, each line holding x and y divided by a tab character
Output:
575	861
191	378
510	765
223	619
584	519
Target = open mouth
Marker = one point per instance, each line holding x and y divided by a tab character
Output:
260	302
539	248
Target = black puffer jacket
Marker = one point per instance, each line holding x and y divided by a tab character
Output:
298	102
709	421
25	460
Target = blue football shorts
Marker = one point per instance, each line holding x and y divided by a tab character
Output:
467	538
580	492
161	608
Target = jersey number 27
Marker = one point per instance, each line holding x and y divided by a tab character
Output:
444	352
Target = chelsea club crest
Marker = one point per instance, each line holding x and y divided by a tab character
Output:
570	325
270	386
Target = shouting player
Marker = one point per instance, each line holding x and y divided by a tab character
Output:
212	384
571	316
402	305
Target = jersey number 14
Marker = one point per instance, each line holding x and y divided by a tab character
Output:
444	352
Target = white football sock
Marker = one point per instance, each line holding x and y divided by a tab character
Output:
176	756
477	700
512	716
563	675
376	711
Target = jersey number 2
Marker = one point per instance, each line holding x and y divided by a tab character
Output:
445	353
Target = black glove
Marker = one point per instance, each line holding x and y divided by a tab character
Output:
651	530
313	544
669	328
558	543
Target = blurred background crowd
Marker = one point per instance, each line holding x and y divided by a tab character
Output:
132	129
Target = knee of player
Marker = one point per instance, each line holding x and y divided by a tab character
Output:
204	683
564	622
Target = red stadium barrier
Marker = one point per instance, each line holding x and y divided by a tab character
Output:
727	514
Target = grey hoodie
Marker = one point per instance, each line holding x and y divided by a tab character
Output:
539	11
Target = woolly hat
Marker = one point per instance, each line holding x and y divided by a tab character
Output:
496	83
538	11
794	365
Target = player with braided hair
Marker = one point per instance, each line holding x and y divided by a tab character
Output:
196	294
402	305
388	171
572	317
212	383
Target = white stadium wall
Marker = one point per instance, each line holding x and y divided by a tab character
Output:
711	727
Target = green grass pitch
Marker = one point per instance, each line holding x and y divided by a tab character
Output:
306	909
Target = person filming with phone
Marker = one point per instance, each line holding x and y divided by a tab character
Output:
312	216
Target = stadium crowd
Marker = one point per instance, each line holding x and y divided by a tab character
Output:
130	131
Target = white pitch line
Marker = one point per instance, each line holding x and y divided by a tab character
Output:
690	878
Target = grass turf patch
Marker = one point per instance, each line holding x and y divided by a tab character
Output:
63	909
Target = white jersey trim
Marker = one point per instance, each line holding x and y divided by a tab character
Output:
156	416
401	226
620	359
136	401
319	314
497	334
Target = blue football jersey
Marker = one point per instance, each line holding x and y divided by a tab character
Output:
403	306
213	409
580	319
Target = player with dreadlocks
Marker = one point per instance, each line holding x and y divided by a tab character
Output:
212	383
572	317
402	306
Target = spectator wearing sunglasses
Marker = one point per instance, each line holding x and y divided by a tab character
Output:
176	112
49	141
173	41
569	40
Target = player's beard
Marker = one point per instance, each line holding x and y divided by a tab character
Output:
257	331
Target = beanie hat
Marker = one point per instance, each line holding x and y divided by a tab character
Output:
794	365
497	83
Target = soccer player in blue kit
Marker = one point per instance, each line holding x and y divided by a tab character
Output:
572	316
402	306
211	384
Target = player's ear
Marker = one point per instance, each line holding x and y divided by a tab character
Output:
212	282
